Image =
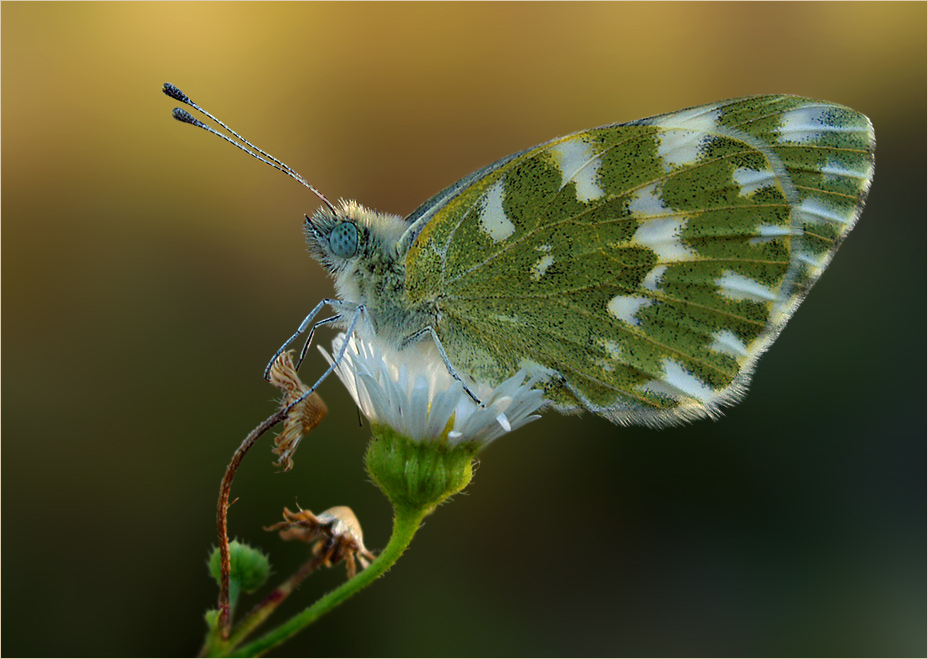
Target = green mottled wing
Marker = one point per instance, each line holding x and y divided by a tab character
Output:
643	267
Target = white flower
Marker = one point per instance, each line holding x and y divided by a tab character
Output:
413	393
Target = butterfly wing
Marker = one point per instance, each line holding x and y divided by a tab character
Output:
643	267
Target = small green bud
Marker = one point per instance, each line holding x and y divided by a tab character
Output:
418	475
213	635
249	567
212	618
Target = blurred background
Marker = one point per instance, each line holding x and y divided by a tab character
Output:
149	271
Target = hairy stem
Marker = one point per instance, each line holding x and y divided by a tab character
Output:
222	512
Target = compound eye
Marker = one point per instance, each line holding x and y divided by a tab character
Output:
344	240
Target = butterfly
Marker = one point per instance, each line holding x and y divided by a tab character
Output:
638	269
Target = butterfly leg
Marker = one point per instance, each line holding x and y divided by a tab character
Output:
309	339
359	310
444	357
302	328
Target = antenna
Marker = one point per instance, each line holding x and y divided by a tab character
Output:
265	157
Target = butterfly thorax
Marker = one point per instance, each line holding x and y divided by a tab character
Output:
360	249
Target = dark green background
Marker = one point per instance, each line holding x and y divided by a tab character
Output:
149	272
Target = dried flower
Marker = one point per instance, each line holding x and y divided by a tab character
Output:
302	418
335	535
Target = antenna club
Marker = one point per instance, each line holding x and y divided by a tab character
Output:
175	93
185	117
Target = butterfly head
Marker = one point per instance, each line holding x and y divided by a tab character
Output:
346	238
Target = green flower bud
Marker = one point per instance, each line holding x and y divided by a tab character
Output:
249	569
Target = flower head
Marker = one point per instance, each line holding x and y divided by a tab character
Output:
413	393
427	429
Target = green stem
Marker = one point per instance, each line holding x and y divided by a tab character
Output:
405	524
262	611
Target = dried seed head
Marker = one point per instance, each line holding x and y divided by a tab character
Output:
302	418
335	535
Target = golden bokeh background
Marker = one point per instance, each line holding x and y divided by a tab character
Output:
149	271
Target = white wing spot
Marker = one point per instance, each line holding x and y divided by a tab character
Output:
751	180
579	164
661	234
493	218
816	211
606	365
613	348
835	170
652	280
738	287
677	380
810	123
813	261
624	307
614	351
663	237
541	266
647	201
727	343
686	135
769	232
